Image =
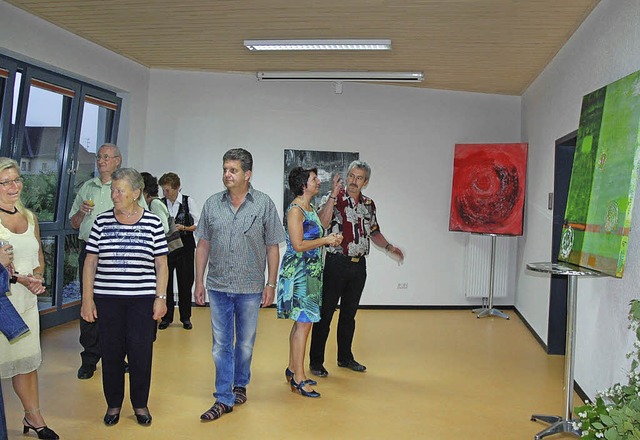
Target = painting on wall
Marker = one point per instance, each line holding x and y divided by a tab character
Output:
597	219
328	164
487	194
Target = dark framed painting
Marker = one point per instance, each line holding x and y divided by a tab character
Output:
604	177
328	164
488	189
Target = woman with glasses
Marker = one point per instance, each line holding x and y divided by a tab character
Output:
20	359
124	285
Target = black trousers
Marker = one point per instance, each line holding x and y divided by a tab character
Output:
183	264
127	328
343	280
90	354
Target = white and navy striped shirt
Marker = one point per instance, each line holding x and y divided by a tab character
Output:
126	254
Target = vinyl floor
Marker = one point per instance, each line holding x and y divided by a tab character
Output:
432	374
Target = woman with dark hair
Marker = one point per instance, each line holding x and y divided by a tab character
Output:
124	283
155	204
300	278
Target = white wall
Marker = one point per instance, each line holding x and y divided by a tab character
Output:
406	134
605	48
30	38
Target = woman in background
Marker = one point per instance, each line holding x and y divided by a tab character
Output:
185	213
20	360
155	204
300	278
124	282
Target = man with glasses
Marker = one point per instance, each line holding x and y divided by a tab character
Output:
93	198
352	214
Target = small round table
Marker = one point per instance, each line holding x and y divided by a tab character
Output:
565	424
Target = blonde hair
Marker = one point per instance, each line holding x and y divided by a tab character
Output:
7	163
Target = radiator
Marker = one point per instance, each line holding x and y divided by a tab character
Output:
478	266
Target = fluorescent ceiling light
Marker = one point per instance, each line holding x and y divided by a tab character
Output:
369	76
349	44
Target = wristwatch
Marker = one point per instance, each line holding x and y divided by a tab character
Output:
272	285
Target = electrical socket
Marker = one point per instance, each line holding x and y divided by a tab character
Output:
403	285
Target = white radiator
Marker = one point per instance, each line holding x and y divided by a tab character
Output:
478	266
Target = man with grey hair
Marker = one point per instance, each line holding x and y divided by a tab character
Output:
353	215
93	198
238	235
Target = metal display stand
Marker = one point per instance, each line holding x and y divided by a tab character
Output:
490	311
564	424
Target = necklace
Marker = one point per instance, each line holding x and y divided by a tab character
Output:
6	211
125	214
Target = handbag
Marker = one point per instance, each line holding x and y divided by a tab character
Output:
174	242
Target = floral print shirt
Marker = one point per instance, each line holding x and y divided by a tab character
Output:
355	221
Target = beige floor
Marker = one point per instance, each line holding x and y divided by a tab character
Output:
431	375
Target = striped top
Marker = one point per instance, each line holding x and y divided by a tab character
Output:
238	240
126	254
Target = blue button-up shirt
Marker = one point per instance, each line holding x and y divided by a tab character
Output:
238	240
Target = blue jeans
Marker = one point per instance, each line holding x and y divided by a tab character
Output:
11	323
233	314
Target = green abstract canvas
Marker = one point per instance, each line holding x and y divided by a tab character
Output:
604	178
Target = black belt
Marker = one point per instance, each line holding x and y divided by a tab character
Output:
346	257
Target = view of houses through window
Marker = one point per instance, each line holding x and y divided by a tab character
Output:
52	125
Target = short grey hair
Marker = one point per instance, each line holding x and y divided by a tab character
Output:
361	165
115	148
131	175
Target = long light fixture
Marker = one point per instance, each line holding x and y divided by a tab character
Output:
346	76
348	44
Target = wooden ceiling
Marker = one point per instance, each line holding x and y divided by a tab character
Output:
490	46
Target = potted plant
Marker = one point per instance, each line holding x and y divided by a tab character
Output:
615	414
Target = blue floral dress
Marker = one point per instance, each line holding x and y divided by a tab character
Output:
300	278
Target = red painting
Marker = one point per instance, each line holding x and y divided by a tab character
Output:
487	194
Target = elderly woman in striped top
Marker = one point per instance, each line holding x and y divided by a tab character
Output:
124	286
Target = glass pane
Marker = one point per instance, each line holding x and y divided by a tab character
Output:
97	124
16	96
42	147
71	278
46	300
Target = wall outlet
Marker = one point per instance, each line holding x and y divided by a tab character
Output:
403	285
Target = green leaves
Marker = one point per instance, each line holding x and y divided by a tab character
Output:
615	415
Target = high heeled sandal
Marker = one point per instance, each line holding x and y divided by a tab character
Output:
43	432
288	374
299	387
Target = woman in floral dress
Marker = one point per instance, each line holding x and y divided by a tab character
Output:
300	279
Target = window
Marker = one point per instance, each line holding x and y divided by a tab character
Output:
51	125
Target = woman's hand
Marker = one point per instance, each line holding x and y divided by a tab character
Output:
33	283
88	310
334	239
159	308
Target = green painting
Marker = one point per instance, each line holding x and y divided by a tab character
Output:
604	178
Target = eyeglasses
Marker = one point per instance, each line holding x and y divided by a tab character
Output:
100	157
17	181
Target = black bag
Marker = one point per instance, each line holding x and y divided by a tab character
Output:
174	242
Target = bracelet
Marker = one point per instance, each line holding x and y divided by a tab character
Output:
333	197
161	296
272	285
386	248
38	274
